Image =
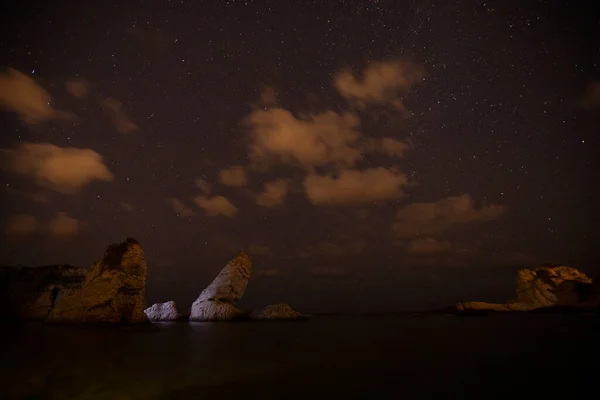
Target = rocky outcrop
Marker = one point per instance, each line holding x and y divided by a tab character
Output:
217	301
114	290
31	292
275	312
163	312
545	287
540	287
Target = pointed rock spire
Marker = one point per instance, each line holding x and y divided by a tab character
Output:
217	301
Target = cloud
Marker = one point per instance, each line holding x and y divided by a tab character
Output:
317	140
425	219
381	83
591	97
21	94
273	194
119	117
234	176
180	209
428	246
203	185
20	225
257	249
268	97
64	169
388	146
126	206
355	186
63	225
78	87
217	205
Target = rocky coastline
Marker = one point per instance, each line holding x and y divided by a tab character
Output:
113	291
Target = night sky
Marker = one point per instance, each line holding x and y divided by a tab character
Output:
371	155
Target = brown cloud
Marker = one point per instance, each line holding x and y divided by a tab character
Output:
23	95
20	224
273	194
257	249
78	87
64	169
119	117
425	219
428	246
591	97
180	209
326	138
392	147
268	97
381	83
355	186
217	205
203	185
63	225
233	176
126	206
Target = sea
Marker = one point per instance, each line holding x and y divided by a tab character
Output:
392	356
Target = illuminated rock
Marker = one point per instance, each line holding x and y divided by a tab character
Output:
540	287
545	287
30	292
277	312
163	312
114	290
217	301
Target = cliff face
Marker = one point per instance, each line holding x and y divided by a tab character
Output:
545	287
217	301
540	287
31	292
114	290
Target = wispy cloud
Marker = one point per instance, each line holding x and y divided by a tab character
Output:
63	225
427	219
21	94
215	206
355	186
233	176
64	169
381	83
20	225
118	115
180	208
273	194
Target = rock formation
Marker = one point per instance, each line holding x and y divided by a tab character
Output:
113	291
163	312
277	312
30	292
217	301
539	287
548	286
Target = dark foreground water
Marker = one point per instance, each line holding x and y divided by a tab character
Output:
370	357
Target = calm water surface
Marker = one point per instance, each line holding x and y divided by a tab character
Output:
414	356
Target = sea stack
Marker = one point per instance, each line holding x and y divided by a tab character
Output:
114	290
163	312
31	292
217	301
545	287
277	312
